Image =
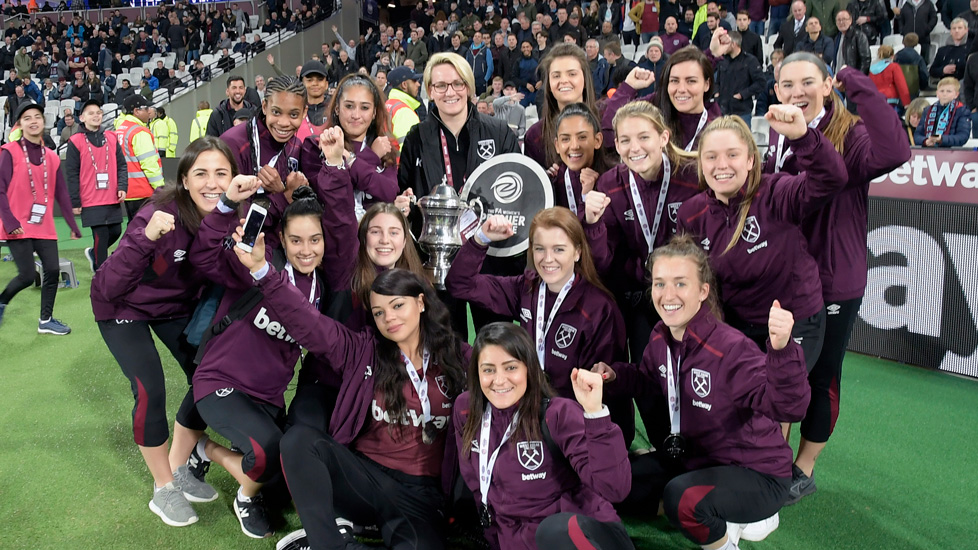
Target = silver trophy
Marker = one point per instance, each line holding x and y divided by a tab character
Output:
441	234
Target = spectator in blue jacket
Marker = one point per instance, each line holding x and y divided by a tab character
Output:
946	123
598	66
480	59
909	56
526	74
154	83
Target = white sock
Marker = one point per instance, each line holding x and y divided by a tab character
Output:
201	444
241	495
730	545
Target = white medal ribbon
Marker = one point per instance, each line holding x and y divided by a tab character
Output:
541	306
643	220
486	462
785	152
420	383
358	195
672	381
571	199
312	289
699	128
254	139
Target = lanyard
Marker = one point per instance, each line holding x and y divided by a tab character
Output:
672	379
699	128
312	289
92	154
785	152
257	142
359	195
541	304
571	199
420	384
487	463
30	172
650	233
448	161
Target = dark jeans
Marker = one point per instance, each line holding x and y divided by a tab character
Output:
23	252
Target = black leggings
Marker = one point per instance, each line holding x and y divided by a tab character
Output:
23	252
328	480
312	405
133	206
701	502
825	377
811	331
252	426
640	319
104	236
579	532
131	343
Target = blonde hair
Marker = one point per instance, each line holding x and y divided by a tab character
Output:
950	81
461	66
886	51
917	107
743	132
646	111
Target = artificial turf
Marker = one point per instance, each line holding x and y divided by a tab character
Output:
899	473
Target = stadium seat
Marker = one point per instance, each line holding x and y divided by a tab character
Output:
874	52
110	110
66	104
894	40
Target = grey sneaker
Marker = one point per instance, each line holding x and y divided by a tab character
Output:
801	485
172	507
193	489
52	326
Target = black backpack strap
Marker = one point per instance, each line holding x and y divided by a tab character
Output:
239	309
548	438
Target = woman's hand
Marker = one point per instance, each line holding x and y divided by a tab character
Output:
331	145
607	373
270	179
254	260
403	201
787	120
242	187
498	228
779	325
640	79
381	146
594	206
588	389
588	178
294	181
160	224
720	43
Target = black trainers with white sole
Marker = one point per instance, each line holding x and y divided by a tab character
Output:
252	517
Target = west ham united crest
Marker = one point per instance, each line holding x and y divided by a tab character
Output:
674	211
752	230
701	382
487	148
530	454
565	335
442	382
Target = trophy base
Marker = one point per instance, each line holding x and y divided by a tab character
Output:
436	276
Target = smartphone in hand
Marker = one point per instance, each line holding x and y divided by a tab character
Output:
252	227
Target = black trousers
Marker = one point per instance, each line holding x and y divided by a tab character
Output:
701	502
23	252
328	480
825	377
131	343
133	206
104	236
253	426
579	532
640	318
312	405
810	331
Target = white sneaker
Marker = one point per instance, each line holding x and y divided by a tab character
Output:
759	530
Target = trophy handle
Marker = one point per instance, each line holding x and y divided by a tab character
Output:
476	205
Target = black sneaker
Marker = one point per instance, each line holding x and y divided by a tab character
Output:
197	465
801	485
252	516
296	540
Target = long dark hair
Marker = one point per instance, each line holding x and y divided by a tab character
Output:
436	336
516	342
382	121
664	102
548	115
174	191
365	271
601	163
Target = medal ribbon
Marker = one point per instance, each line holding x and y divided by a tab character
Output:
541	305
419	383
571	199
699	128
486	462
643	220
672	380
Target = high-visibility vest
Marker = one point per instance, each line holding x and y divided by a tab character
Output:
198	128
171	149
140	185
161	133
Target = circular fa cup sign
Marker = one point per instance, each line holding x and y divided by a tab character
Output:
513	186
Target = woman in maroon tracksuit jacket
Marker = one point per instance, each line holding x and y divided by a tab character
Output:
836	233
149	285
560	302
244	371
390	452
380	243
749	223
725	470
549	478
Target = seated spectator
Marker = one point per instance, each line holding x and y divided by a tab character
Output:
889	79
242	46
200	72
909	56
946	123
950	59
226	62
618	65
912	118
125	90
70	126
257	44
159	72
145	90
152	81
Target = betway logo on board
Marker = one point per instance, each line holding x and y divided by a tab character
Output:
948	176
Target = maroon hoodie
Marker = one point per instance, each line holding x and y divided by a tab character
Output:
146	280
524	491
836	233
367	171
588	327
688	122
770	260
732	396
